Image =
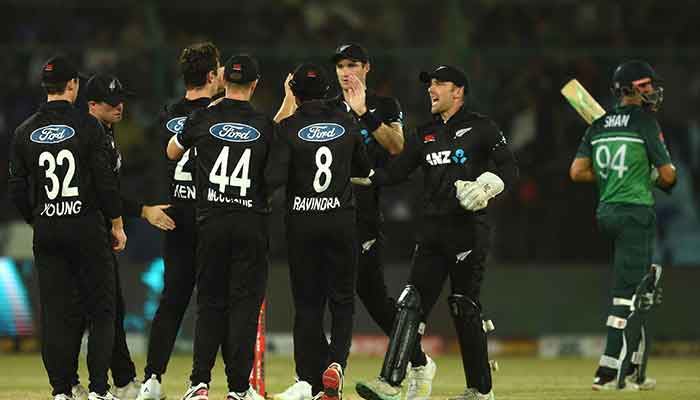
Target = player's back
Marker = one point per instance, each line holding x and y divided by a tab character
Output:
232	142
620	145
324	149
58	147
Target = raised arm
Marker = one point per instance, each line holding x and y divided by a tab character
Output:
581	169
388	134
289	104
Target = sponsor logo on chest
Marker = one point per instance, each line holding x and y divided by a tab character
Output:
234	132
617	121
321	132
52	134
446	157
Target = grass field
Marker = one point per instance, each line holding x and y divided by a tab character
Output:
23	377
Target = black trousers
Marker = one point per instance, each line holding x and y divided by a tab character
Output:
371	285
122	367
322	267
453	246
75	253
231	281
179	249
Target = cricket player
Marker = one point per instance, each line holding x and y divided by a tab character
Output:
454	150
105	96
199	65
619	152
62	182
381	121
232	141
316	151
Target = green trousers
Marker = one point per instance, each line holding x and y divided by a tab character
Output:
632	229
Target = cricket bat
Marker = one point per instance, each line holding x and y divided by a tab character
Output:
582	101
257	374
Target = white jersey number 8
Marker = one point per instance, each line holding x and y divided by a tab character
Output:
324	159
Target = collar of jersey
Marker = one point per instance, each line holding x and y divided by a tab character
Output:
56	105
245	105
315	106
201	101
463	114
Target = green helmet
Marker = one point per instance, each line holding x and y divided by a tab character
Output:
631	73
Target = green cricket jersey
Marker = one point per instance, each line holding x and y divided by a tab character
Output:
623	145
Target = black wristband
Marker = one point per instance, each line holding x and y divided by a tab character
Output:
371	121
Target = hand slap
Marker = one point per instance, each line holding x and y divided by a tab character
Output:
356	96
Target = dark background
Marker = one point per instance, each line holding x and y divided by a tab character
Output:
517	55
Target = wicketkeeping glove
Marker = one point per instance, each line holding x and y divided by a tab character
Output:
475	195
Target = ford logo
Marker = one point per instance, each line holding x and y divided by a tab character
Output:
321	132
234	132
175	125
52	134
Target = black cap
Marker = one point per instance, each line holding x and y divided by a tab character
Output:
241	68
58	69
350	51
309	81
446	73
105	88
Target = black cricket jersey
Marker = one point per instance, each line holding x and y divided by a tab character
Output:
130	207
60	165
180	173
316	152
460	149
233	141
388	110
